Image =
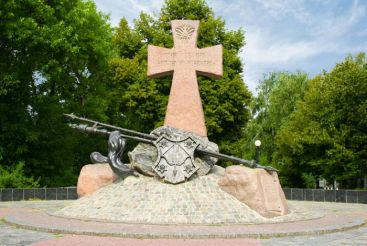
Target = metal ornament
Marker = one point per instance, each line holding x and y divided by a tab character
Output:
150	139
116	147
175	162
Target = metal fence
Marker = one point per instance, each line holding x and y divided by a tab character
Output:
62	193
320	195
69	193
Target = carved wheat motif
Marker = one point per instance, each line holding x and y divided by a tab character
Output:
185	31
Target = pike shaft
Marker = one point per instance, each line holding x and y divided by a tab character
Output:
149	139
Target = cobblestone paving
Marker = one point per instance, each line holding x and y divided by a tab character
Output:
350	237
149	201
10	235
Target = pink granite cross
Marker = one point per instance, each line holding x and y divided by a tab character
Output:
185	61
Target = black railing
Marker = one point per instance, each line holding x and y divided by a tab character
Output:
320	195
69	193
62	193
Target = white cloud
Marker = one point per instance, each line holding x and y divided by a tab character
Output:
148	6
280	8
129	9
280	34
260	50
295	33
333	25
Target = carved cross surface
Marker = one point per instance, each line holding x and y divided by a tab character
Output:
185	61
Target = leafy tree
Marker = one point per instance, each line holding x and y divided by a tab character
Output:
278	95
327	135
53	60
143	101
15	178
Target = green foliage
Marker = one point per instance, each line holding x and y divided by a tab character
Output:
327	135
143	101
277	98
309	180
53	60
14	177
313	128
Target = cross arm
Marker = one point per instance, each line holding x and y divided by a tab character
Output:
160	61
211	63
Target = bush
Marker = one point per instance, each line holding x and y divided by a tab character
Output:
14	177
309	180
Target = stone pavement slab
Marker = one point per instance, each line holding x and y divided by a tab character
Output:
94	241
353	237
39	220
15	236
337	217
10	235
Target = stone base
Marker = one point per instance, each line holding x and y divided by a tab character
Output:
147	200
257	188
93	177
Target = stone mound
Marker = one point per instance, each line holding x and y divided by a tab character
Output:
150	201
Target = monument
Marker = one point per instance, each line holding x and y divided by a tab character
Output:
176	162
185	61
172	187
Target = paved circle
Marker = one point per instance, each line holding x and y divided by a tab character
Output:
12	235
94	241
338	217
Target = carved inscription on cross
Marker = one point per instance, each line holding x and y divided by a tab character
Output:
185	61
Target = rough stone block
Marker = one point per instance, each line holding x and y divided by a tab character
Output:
257	188
142	158
93	177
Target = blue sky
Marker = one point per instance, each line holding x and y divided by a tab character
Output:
281	35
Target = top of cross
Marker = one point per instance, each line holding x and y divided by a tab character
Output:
184	60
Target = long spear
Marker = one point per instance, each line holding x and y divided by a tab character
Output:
149	139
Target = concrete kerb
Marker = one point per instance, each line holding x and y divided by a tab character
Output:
34	219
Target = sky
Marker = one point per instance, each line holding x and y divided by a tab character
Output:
281	35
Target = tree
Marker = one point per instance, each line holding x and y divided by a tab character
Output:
53	60
327	135
278	95
143	101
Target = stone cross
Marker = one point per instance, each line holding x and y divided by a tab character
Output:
185	61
